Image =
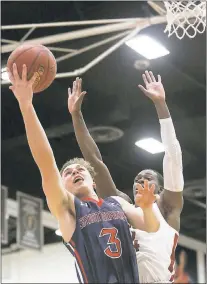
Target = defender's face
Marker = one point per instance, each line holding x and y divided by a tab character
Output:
76	178
149	175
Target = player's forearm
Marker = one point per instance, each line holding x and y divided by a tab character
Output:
86	143
162	110
104	183
167	129
37	139
151	223
172	162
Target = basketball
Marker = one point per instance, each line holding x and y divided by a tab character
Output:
38	59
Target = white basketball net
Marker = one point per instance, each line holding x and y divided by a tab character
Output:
185	18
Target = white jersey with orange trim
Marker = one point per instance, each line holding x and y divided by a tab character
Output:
156	252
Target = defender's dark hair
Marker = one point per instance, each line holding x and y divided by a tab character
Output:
159	178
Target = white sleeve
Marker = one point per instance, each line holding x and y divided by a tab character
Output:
172	162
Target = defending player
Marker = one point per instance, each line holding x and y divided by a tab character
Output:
95	231
155	252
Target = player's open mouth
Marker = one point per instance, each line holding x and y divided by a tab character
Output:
77	179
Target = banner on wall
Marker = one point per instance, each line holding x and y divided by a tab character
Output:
29	221
186	266
4	215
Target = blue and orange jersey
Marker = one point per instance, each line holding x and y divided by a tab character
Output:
102	244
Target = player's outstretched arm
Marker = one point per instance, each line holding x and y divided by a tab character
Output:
104	182
144	219
172	196
58	198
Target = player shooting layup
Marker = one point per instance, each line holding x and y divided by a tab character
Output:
95	231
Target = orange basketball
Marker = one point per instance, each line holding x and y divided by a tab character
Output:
38	59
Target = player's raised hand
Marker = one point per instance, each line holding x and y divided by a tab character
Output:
145	196
21	87
75	98
153	89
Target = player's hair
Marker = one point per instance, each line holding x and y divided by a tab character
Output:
81	162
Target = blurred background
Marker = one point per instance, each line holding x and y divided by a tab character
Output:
118	116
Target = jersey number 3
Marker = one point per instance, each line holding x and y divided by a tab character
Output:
113	249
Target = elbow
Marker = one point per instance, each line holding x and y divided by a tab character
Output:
173	149
96	159
93	159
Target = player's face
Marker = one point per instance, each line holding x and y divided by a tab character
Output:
149	175
77	179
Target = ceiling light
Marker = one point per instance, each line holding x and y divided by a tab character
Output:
147	47
58	233
150	145
4	75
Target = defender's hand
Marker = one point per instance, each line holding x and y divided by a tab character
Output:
76	97
145	196
154	89
21	87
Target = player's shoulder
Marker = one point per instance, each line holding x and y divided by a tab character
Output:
120	202
80	204
113	200
123	203
116	199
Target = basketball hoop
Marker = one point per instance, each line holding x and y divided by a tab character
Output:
185	18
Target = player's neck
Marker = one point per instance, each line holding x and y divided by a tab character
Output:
89	195
93	196
85	192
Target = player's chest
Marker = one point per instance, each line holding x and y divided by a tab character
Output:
104	216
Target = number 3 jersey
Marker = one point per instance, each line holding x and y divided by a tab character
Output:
102	243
